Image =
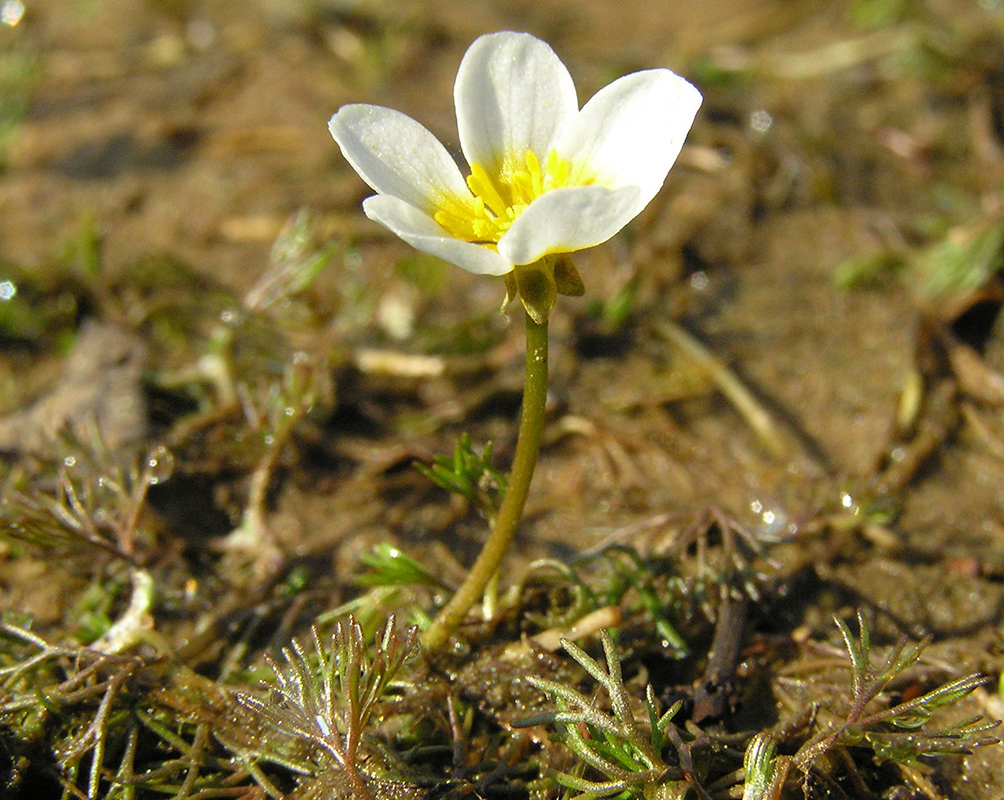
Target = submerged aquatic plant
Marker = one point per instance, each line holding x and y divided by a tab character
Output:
470	475
633	755
653	758
91	507
327	698
897	732
546	179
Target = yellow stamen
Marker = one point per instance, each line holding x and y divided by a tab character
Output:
480	183
499	199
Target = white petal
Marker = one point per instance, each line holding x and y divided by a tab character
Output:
424	233
512	94
631	131
396	155
566	220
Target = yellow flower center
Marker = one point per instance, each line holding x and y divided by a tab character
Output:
499	199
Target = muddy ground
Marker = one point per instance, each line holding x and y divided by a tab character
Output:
831	236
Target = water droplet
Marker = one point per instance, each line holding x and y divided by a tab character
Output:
7	290
159	465
761	120
773	523
11	12
69	461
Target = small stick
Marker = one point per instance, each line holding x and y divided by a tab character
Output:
712	693
756	416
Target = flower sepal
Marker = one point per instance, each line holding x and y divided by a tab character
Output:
536	288
538	285
566	277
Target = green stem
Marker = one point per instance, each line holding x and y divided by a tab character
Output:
531	430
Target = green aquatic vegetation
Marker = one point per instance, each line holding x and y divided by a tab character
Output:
95	508
42	306
620	576
551	594
338	711
294	264
962	263
471	475
257	372
898	731
275	410
40	681
327	698
91	709
106	717
388	566
871	270
764	773
93	523
19	70
953	268
655	756
647	758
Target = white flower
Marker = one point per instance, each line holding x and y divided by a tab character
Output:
546	177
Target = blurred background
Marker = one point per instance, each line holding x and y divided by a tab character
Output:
196	128
832	232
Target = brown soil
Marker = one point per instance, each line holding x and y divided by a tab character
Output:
178	137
